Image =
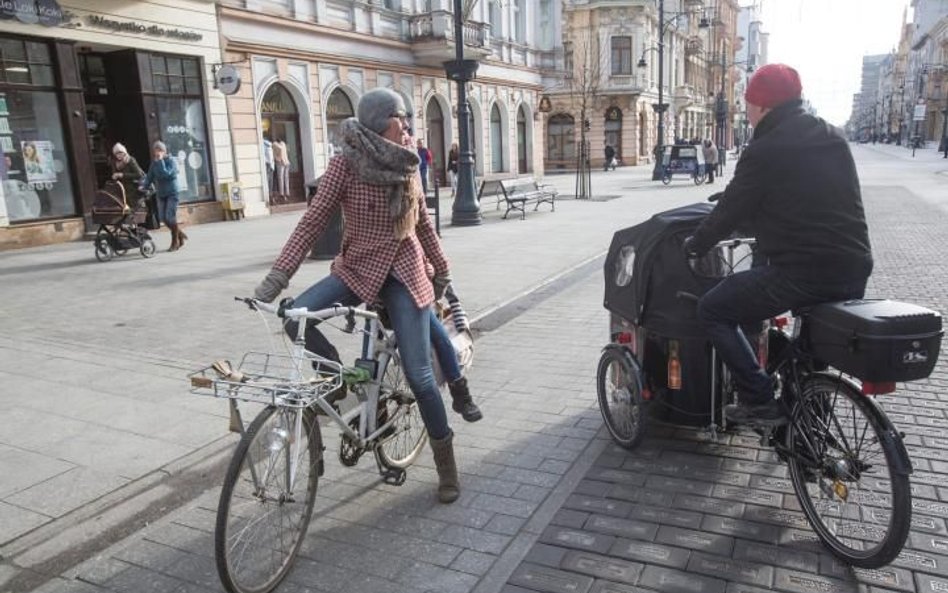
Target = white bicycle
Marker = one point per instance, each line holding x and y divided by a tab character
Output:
270	486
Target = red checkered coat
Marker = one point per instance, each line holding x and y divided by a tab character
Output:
370	251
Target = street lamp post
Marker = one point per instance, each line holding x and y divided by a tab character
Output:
660	108
466	210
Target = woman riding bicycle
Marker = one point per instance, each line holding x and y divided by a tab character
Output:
795	188
386	239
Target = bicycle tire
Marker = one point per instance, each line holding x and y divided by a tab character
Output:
244	511
619	392
849	533
400	448
699	178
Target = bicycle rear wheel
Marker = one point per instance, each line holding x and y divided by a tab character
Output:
262	518
619	388
402	444
849	472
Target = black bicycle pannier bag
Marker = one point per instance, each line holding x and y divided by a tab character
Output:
875	340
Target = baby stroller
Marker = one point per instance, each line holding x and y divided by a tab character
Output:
121	225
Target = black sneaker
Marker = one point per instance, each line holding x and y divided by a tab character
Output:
767	414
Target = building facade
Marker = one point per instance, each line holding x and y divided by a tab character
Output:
904	95
604	78
75	81
304	64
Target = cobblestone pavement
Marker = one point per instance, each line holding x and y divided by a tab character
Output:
684	515
548	504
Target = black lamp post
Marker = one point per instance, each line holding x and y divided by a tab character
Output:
466	210
661	107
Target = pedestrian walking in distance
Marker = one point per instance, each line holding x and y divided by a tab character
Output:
163	173
710	159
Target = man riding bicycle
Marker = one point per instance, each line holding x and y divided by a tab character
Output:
795	189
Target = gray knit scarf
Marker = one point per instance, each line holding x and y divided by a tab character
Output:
378	161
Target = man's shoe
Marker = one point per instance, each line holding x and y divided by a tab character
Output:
767	414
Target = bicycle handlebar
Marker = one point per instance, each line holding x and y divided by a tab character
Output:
285	310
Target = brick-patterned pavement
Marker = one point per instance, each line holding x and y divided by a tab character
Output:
683	515
550	505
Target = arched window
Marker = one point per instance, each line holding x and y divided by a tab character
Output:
496	140
560	137
281	122
338	109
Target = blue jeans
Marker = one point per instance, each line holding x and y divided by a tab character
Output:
750	297
444	350
412	328
168	209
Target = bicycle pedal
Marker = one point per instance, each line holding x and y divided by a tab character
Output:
393	476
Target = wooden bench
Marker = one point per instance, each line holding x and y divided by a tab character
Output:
518	193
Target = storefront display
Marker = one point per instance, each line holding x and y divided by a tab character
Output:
35	179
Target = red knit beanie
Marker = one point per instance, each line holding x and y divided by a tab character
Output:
772	85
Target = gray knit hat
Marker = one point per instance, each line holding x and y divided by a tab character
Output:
377	106
159	145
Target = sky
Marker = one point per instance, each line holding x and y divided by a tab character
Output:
825	40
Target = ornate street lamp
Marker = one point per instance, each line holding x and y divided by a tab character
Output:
466	210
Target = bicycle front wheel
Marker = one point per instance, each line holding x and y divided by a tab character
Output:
849	472
403	442
264	512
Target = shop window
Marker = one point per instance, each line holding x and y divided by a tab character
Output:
35	180
25	62
176	82
560	137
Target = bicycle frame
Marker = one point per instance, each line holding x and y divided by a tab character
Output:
378	347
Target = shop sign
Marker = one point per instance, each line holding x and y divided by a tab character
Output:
227	79
44	12
919	112
136	27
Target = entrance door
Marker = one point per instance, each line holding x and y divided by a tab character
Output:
521	141
435	140
496	140
613	130
281	121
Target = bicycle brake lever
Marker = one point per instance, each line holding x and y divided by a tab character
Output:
247	301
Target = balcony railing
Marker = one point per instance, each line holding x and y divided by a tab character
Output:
439	25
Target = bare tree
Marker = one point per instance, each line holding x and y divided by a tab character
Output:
584	87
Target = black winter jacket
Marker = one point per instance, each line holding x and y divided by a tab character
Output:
795	188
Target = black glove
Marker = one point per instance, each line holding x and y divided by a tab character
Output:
272	286
688	247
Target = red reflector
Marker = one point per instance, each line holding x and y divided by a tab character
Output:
624	338
870	388
646	394
781	322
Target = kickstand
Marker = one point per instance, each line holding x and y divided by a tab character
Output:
393	476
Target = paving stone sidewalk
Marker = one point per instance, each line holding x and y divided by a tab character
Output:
534	380
684	515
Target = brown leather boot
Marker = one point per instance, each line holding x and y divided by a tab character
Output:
182	236
175	241
448	487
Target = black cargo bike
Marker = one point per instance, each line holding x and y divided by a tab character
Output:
846	460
